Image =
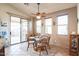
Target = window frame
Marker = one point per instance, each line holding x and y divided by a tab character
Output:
48	25
37	25
63	24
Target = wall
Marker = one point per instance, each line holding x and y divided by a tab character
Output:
63	40
4	17
78	17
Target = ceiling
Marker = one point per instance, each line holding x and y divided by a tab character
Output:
44	7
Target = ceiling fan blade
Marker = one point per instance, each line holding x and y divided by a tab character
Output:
43	14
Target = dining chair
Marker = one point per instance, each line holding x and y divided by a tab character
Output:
40	46
46	40
30	41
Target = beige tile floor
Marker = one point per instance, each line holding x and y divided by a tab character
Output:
21	50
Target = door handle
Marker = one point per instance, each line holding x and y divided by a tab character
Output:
10	33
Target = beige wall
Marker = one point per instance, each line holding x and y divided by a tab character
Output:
62	40
78	17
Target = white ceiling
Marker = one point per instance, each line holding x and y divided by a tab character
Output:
44	7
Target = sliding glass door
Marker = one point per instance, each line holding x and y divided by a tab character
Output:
15	30
19	29
24	27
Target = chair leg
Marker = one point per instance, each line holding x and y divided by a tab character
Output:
40	52
27	46
46	50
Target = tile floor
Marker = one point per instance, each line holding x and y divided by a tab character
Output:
21	50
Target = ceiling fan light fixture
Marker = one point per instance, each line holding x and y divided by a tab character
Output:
38	16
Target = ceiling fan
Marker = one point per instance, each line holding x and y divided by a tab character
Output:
39	15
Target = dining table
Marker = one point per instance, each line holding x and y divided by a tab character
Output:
35	38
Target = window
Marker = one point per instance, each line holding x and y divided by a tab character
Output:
38	26
48	26
62	24
30	26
